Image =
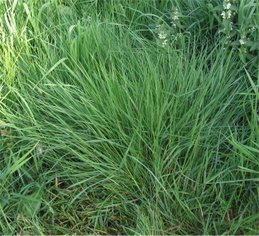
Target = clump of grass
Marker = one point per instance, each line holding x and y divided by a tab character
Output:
106	132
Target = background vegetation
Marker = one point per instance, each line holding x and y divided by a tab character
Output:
129	117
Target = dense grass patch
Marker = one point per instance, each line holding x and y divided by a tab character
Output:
103	130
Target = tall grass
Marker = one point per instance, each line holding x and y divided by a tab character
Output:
103	131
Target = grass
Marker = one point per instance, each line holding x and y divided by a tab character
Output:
103	131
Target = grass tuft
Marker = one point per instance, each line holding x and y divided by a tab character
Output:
105	131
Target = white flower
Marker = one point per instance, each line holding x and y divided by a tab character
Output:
173	24
162	35
164	43
228	6
223	14
226	14
229	13
230	26
242	41
175	15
